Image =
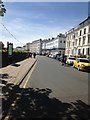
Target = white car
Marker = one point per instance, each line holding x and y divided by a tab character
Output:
70	60
51	55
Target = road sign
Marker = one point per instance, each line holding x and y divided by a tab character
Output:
10	49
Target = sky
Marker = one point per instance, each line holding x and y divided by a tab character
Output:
29	21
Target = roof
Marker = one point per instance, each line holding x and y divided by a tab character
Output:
85	20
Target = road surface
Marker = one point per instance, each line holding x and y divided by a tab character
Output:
51	91
66	83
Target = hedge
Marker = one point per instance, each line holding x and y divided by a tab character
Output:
17	56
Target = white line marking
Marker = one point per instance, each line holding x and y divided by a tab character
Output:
29	75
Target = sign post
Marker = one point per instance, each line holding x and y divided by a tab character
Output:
9	52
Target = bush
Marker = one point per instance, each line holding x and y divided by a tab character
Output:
17	56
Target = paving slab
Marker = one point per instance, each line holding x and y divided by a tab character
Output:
15	72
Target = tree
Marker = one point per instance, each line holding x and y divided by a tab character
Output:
2	9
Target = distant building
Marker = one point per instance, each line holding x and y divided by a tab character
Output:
44	50
36	46
18	48
24	47
78	39
56	44
28	47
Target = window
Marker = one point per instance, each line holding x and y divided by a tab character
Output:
79	41
78	60
71	58
88	38
80	32
84	30
84	60
73	36
69	44
76	42
64	41
83	51
73	43
68	37
84	38
60	41
79	51
76	34
88	51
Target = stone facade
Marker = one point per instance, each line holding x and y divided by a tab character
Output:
78	40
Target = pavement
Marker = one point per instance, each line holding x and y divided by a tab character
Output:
14	73
11	77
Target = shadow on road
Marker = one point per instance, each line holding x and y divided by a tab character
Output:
36	103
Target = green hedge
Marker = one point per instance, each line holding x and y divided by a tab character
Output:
17	56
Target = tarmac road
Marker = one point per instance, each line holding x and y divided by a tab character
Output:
67	83
50	91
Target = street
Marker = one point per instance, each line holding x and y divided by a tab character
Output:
51	91
65	82
45	60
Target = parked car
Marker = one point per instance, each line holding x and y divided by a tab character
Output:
82	64
58	56
55	55
70	60
61	57
51	55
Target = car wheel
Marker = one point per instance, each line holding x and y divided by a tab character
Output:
78	68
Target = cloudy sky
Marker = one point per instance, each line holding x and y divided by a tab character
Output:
29	21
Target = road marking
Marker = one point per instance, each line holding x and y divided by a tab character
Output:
29	75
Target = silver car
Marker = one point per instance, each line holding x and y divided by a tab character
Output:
70	60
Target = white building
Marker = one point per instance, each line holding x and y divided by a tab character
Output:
24	47
56	44
78	39
36	46
28	47
18	48
44	46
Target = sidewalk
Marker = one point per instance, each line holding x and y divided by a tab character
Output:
14	73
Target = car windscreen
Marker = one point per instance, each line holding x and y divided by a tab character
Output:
83	60
71	58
